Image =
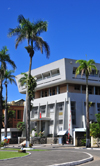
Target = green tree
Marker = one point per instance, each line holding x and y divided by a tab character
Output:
95	129
29	82
4	59
31	32
10	115
86	67
21	126
8	78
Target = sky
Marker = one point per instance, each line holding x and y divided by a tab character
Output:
73	32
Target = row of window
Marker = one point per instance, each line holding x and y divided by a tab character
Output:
17	114
51	108
90	89
92	74
50	92
49	74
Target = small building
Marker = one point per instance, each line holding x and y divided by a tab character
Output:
12	131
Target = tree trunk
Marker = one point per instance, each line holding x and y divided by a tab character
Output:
0	107
28	110
87	116
6	112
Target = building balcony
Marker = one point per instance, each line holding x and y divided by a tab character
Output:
50	99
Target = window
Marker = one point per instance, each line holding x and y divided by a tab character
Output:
83	88
94	74
35	110
60	107
90	90
46	75
60	121
51	122
45	93
97	90
55	72
15	114
39	77
42	94
73	110
51	107
77	87
18	114
53	91
98	107
42	109
74	70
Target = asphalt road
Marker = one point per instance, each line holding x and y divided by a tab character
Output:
55	155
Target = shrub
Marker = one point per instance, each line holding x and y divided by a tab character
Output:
30	145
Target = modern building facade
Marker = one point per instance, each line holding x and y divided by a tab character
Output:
58	92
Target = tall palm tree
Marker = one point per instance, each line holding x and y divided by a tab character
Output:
86	67
8	78
31	32
4	59
29	82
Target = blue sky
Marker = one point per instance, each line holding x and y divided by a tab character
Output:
73	32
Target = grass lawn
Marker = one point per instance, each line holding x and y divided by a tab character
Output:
10	149
39	150
6	155
26	149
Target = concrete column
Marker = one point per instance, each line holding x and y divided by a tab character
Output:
54	130
37	127
57	90
94	90
64	114
41	93
49	91
38	111
67	87
83	116
50	74
46	109
42	76
40	125
81	89
46	128
96	111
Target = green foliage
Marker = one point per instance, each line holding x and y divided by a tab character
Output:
31	87
31	32
30	145
36	134
85	67
21	126
30	82
95	128
11	115
83	141
1	144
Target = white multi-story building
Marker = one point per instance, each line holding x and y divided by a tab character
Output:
58	91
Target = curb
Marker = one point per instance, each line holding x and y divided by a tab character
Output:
89	148
75	162
16	157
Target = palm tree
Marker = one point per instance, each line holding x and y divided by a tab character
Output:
4	59
31	32
86	67
8	78
29	82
